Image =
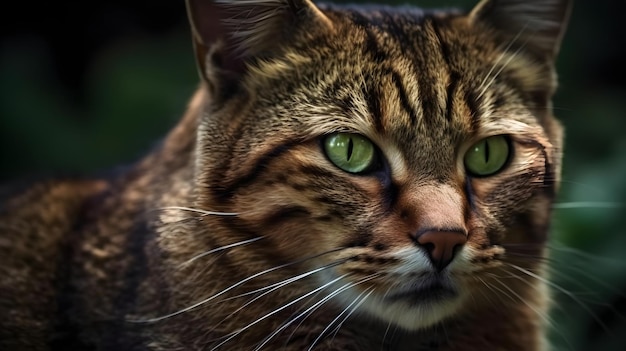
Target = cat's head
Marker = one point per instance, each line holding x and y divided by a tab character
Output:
406	159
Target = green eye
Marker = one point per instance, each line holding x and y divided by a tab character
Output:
488	156
351	152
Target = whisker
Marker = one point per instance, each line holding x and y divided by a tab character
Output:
491	287
258	320
203	212
558	250
222	248
551	323
512	295
586	204
358	298
490	74
521	255
564	291
311	309
558	247
383	344
241	282
338	327
354	309
275	287
587	275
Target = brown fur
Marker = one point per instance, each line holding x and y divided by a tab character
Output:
116	263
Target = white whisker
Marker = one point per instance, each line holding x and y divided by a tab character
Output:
383	345
258	320
587	204
337	318
555	246
483	87
286	281
213	297
274	287
338	327
225	247
306	313
562	290
551	323
493	288
203	212
587	275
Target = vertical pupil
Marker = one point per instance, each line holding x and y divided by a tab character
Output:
486	151
350	148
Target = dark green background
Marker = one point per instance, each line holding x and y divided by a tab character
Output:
86	86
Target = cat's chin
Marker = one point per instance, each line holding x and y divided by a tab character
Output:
412	306
414	309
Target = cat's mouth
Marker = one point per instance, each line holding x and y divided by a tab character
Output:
432	289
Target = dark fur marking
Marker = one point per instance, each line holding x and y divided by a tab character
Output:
445	51
326	200
324	218
258	168
286	213
549	180
67	329
380	247
389	196
298	187
452	87
372	97
125	302
371	44
473	104
404	100
425	80
469	193
316	171
363	239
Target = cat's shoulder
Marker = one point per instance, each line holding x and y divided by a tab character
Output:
47	201
36	217
37	220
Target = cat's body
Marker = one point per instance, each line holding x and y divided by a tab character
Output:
411	251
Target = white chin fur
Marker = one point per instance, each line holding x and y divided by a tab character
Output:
405	314
409	316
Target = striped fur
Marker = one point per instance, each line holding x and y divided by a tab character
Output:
238	233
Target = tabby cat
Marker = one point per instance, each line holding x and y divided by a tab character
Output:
345	178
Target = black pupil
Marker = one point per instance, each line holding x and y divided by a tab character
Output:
486	151
350	148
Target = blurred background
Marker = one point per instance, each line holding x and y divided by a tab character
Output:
85	86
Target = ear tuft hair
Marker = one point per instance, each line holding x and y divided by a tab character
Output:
228	33
539	24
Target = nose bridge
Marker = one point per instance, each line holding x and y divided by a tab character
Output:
439	222
439	207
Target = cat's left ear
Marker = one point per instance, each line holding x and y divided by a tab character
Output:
538	25
230	34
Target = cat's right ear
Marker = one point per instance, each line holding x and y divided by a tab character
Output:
229	35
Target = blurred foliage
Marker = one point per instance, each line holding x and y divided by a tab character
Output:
84	91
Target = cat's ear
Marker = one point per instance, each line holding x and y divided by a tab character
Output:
228	34
538	25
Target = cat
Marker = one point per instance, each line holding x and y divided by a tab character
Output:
345	178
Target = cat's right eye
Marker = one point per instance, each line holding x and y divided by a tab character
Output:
352	153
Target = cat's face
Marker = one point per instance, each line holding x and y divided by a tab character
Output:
407	160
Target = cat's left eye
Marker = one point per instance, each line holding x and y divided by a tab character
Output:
488	156
353	153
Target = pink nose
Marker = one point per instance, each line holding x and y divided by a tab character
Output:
441	246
